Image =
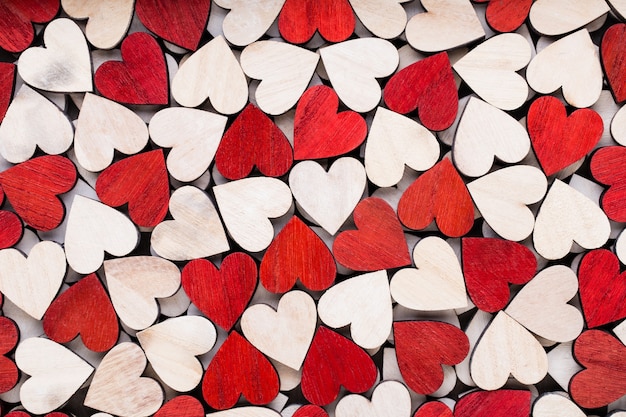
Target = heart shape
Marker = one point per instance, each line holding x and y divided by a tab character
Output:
238	368
433	409
107	24
353	66
11	230
328	197
607	167
247	22
560	140
364	303
134	284
92	229
7	79
543	12
333	19
103	127
118	388
181	406
141	181
222	294
141	76
172	345
500	403
15	21
485	67
10	336
385	394
612	52
196	230
438	194
321	132
64	65
310	410
428	86
297	253
436	284
193	135
253	140
496	355
378	243
489	265
41	275
386	19
292	323
332	362
211	72
567	216
507	15
556	405
85	310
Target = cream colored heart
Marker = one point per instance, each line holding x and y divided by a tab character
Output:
104	126
56	374
384	18
118	387
554	404
195	232
247	411
32	282
172	346
363	302
211	72
395	141
507	348
557	17
389	399
502	198
94	228
567	216
618	7
485	132
135	282
571	63
291	325
247	205
328	197
618	125
193	135
21	133
447	24
108	21
248	21
285	71
490	70
353	67
436	284
64	65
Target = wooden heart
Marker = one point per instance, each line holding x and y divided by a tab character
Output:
172	345
299	20
181	406
507	15
247	22
436	284
433	409
134	284
556	405
390	398
21	134
64	65
11	229
15	21
7	80
310	410
9	338
500	403
612	52
607	167
107	24
618	7
118	388
554	17
292	323
385	19
195	232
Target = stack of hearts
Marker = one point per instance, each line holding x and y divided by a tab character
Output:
312	208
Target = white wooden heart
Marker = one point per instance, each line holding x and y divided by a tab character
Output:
247	411
108	22
557	17
618	7
436	284
384	18
248	21
554	404
389	399
618	126
561	364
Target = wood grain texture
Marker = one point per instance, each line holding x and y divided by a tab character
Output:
552	18
300	19
7	81
385	19
85	310
613	53
390	398
507	15
247	22
608	166
11	229
17	18
310	410
9	374
500	403
553	404
181	406
107	23
297	253
433	409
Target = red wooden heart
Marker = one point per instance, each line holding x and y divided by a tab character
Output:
560	140
422	347
332	362
222	295
32	188
489	265
179	22
9	336
7	80
604	379
83	309
299	19
181	406
238	368
602	288
507	15
428	86
438	194
310	410
321	132
253	139
608	166
10	229
17	18
500	403
142	182
141	77
297	252
433	409
613	52
378	243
